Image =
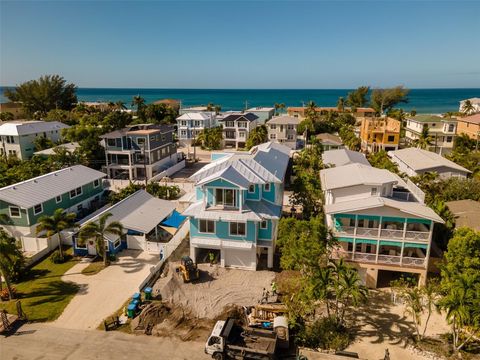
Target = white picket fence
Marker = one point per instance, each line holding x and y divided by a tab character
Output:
168	249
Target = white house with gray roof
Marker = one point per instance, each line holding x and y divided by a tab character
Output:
381	227
190	125
283	130
415	161
77	189
340	157
17	137
238	204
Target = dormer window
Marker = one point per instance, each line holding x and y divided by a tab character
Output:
374	191
226	197
266	187
251	189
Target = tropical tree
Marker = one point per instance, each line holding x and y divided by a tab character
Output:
210	138
468	107
42	143
358	98
384	99
139	102
55	224
341	104
98	231
425	139
120	105
42	95
6	116
9	255
257	136
349	139
381	160
279	106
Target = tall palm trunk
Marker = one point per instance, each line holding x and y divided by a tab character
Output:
60	250
4	272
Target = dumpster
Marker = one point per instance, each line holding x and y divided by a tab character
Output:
135	303
131	310
137	296
148	293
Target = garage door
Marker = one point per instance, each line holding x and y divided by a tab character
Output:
240	258
135	242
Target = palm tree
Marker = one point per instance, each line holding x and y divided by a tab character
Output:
351	291
341	104
468	107
425	140
139	102
9	252
98	230
412	297
257	136
120	105
111	105
55	224
279	106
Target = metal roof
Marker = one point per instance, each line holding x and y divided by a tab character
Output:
412	208
340	157
17	128
356	174
243	116
45	187
205	115
284	120
419	159
70	147
140	211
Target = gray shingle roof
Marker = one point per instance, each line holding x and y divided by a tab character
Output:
284	120
140	211
42	188
419	159
342	157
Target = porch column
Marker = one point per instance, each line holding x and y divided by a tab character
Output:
270	257
401	253
378	250
405	229
130	172
353	248
427	256
380	227
240	199
356	225
204	197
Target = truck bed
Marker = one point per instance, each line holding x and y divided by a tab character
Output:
259	341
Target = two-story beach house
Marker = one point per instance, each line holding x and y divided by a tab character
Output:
441	130
237	127
191	124
238	205
283	129
470	126
77	189
381	227
380	133
17	138
138	151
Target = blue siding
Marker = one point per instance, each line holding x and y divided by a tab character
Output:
253	196
269	195
221	183
222	231
199	193
210	196
265	234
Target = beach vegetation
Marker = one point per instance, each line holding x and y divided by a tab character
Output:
40	96
165	192
349	139
358	98
468	108
279	108
210	138
425	140
382	100
381	160
11	259
6	116
257	136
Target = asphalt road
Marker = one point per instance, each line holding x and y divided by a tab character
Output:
45	341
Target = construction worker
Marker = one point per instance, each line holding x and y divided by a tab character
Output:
264	296
273	286
211	258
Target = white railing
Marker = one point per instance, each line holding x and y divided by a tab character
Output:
417	262
416	191
389	259
337	254
346	230
367	232
387	233
362	257
417	235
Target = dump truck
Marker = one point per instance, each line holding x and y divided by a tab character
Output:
188	269
229	340
262	315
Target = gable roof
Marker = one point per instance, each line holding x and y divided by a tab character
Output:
139	211
467	213
284	120
356	174
472	119
204	115
419	159
45	187
329	139
407	207
17	128
240	116
340	157
265	163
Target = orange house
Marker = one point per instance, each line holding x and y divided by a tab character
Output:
469	126
380	134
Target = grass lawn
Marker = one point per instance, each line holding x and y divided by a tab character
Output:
93	268
42	293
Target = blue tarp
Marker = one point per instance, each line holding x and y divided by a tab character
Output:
174	220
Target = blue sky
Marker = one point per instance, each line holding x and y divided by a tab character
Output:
249	44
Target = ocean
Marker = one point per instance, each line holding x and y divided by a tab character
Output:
421	100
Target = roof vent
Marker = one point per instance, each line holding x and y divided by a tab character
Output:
14	188
35	181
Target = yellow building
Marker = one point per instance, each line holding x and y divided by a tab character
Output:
469	126
380	134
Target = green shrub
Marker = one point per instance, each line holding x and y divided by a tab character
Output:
57	258
112	257
324	333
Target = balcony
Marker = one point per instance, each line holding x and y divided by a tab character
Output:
381	259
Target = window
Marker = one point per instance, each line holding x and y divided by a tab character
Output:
264	224
164	138
206	226
230	124
273	136
368	248
116	244
226	197
451	127
449	139
79	207
290	127
152	138
37	209
75	192
391	138
111	142
237	229
141	141
15	212
106	245
273	126
96	183
251	188
183	123
349	246
289	137
242	124
266	187
358	247
373	191
183	134
58	199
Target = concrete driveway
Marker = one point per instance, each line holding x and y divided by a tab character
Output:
102	294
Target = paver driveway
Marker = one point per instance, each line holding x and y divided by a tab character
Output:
102	294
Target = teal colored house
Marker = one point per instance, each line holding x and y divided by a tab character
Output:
238	205
77	189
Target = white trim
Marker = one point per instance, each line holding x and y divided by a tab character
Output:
237	222
76	194
119	240
98	183
19	212
41	207
249	186
58	201
214	226
269	187
261	224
